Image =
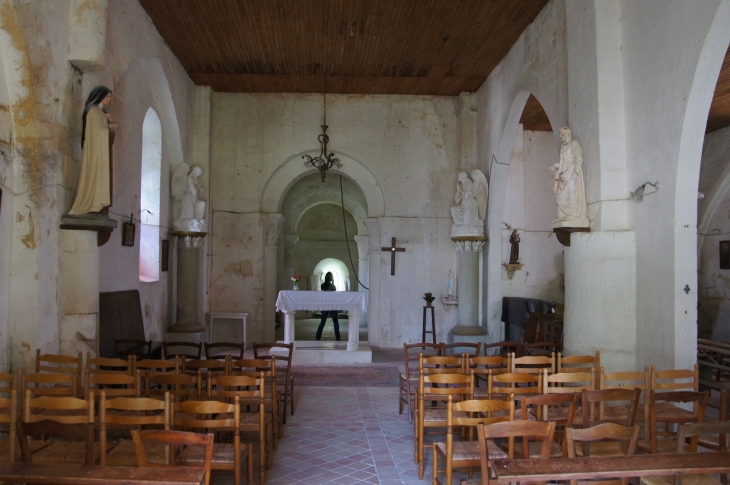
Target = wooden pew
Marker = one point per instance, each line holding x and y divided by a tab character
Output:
713	357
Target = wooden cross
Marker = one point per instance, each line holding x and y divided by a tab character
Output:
392	250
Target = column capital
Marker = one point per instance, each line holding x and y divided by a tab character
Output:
362	246
290	241
373	226
272	228
468	244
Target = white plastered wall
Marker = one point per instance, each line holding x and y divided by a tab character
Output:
402	152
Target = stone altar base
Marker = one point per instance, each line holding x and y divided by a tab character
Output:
329	352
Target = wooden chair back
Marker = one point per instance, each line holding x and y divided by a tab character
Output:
675	379
568	382
481	366
628	397
624	380
115	384
504	348
131	412
60	364
579	363
511	383
140	349
9	411
693	433
49	428
412	352
47	384
174	439
527	430
180	386
557	408
444	364
606	432
219	350
185	350
206	367
109	365
159	365
532	364
68	410
457	348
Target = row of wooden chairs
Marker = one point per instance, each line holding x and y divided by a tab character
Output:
65	364
223	402
142	349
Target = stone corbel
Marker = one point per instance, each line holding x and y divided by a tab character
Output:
512	268
272	229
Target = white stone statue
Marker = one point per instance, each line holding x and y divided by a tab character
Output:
568	184
471	195
189	190
450	285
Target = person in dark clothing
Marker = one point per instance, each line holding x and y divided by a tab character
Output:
328	285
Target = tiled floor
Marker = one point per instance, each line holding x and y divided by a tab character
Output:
344	436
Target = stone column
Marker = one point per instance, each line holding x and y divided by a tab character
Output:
187	327
290	243
468	329
353	328
373	314
271	253
78	292
363	270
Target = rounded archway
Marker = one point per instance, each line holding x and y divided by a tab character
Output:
340	273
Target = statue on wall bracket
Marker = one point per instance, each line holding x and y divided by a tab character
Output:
472	194
568	184
188	189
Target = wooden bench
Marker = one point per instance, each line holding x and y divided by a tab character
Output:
99	475
714	357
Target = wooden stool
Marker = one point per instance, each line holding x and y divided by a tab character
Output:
433	325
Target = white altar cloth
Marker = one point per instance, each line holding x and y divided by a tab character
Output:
316	301
290	302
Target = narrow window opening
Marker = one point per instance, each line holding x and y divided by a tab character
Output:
149	246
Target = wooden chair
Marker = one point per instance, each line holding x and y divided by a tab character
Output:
592	417
208	414
549	407
140	349
127	413
691	433
458	348
180	386
503	348
60	364
174	439
409	379
532	364
481	367
568	383
284	375
671	380
527	430
437	388
185	350
64	410
624	437
158	365
253	368
258	423
8	414
109	365
206	367
517	384
465	454
83	447
219	350
712	441
624	380
665	441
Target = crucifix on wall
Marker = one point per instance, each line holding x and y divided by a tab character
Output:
392	250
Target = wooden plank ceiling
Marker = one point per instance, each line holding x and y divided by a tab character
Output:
424	47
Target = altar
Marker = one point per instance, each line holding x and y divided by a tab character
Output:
289	302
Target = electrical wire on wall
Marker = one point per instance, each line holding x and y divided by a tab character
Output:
347	240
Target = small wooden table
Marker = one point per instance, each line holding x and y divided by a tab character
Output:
611	467
99	475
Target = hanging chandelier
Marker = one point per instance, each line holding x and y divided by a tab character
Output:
324	161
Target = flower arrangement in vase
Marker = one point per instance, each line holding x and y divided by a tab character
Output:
296	279
429	298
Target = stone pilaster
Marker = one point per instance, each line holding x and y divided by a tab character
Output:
469	328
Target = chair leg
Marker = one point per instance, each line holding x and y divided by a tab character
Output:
291	398
435	480
250	464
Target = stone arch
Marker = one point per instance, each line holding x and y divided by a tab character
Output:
687	179
293	169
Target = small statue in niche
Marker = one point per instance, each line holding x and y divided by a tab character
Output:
189	190
568	184
514	253
94	190
450	284
471	195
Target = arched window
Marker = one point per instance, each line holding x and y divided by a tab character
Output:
149	202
